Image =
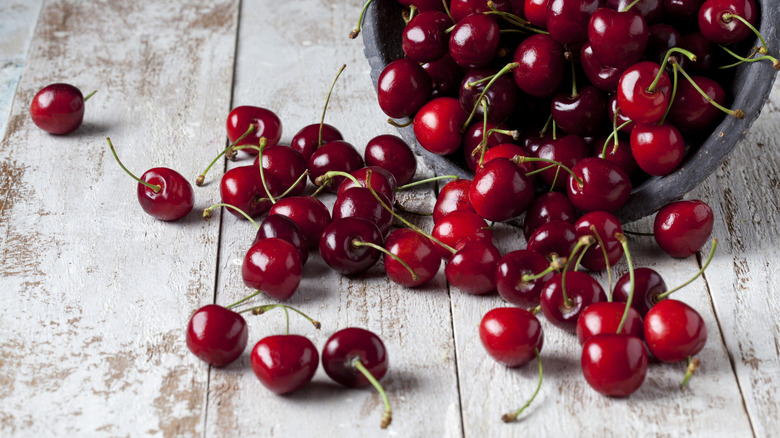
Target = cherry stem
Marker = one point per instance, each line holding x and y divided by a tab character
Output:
447	9
515	134
256	293
693	365
400	125
555	180
636	233
584	242
727	19
554	129
627	8
555	265
425	181
736	113
622	239
287	320
412	12
327	178
690	55
387	417
536	309
666	294
207	212
86	98
262	173
404	221
675	68
317	191
508	418
483	143
259	310
330	91
540	170
513	19
579	260
356	31
506	69
358	242
292	186
546	126
775	62
614	133
202	176
154	187
403	209
520	159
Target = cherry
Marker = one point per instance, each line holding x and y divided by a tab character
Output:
581	291
618	39
474	141
445	74
284	363
642	97
681	228
162	192
614	365
335	155
273	266
702	48
661	38
417	251
58	108
242	187
458	225
605	317
511	335
511	151
541	65
282	227
285	165
567	20
309	213
619	154
267	124
307	139
511	275
355	357
360	202
582	113
437	125
343	245
718	24
392	154
382	181
403	88
691	112
674	331
682	11
603	226
657	149
474	41
648	285
501	97
472	267
568	151
424	38
548	207
536	12
453	196
553	239
600	185
461	9
217	335
500	191
601	76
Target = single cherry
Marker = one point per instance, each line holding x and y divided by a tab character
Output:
618	39
674	331
273	266
553	239
500	191
282	227
424	38
458	225
642	97
474	41
217	335
267	124
600	185
541	65
604	227
403	88
501	98
567	20
648	285
336	155
548	207
605	317
360	202
717	21
511	335
472	267
581	291
417	251
437	125
582	113
382	181
243	188
347	245
453	196
309	213
683	227
600	75
58	108
614	365
392	154
446	76
285	165
284	363
657	149
511	277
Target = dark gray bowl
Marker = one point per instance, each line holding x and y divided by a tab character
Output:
750	90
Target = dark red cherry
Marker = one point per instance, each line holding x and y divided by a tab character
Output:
350	344
437	125
635	98
500	191
601	76
583	114
472	268
282	227
58	108
567	20
403	88
309	213
446	76
392	154
217	335
285	165
618	39
242	188
651	10
360	202
648	284
690	111
472	141
458	225
417	251
382	181
602	185
474	41
604	225
682	11
509	277
683	227
273	266
581	290
424	38
266	121
657	149
553	239
674	331
500	98
614	365
453	196
305	141
620	156
284	363
461	9
661	38
335	155
542	65
704	50
604	317
340	245
173	201
511	335
567	150
717	25
536	12
548	207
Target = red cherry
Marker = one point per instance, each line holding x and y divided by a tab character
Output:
548	207
717	25
360	202
606	226
382	181
690	111
648	284
446	76
285	165
681	228
621	118
242	188
472	142
618	39
583	114
621	155
336	155
581	290
341	249
58	108
217	335
273	266
657	149
542	65
567	20
661	38
511	269
392	154
424	38
536	12
284	363
553	239
267	123
461	9
472	267
458	225
602	185
604	317
453	196
500	191
511	335
403	87
415	250
423	5
601	76
305	141
567	150
282	227
474	41
674	331
437	125
309	213
500	98
614	365
635	98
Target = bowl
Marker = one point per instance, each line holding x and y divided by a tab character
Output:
750	88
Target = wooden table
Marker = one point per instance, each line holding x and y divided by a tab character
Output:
97	294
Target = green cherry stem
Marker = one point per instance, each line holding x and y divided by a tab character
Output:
554	129
606	258
540	170
399	125
256	293
508	418
447	9
738	113
202	176
259	310
154	187
327	178
727	19
555	265
207	212
666	294
690	55
262	173
742	59
330	91
356	31
606	142
622	239
387	417
483	143
425	181
693	365
627	8
506	69
584	242
546	126
555	179
86	98
675	68
359	242
520	159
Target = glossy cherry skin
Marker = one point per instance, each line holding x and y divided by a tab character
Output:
651	10
474	41
567	20
392	154
620	156
567	150
614	365
536	12
360	202
511	335
266	121
350	344
581	289
472	268
173	201
542	65
338	248
335	155
217	335
583	114
282	227
648	284
690	111
674	331
633	97
461	9
305	141
403	87
242	188
501	97
618	39
500	191
604	186
284	363
548	207
601	76
453	196
683	227
458	225
382	181
417	251
718	29
286	165
446	76
472	141
437	125
661	38
273	266
509	277
555	238
605	225
424	39
604	317
58	108
658	150
309	213
510	151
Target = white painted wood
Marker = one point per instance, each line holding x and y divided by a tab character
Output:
96	293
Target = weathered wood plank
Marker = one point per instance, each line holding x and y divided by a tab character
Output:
97	294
